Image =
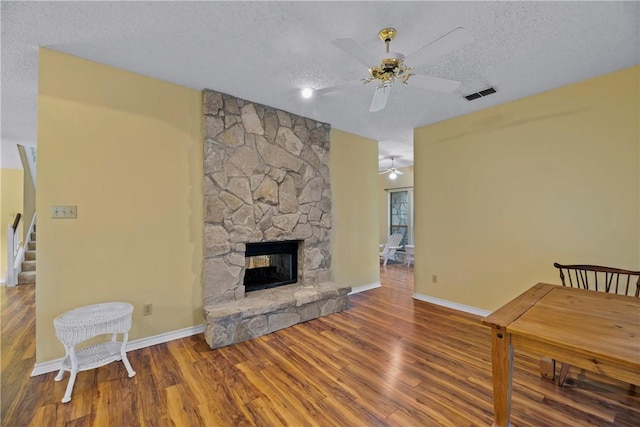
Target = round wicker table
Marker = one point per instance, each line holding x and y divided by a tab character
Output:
80	324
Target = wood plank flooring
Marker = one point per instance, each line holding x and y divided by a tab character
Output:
389	360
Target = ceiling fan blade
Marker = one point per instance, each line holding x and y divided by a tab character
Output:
384	171
354	49
336	88
451	41
380	98
434	84
398	172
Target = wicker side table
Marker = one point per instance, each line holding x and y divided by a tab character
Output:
83	323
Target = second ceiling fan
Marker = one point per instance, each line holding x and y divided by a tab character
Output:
392	171
392	68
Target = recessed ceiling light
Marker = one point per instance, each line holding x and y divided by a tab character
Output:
307	92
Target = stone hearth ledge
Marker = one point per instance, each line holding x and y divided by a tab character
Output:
269	310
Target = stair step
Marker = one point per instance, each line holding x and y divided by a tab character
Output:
33	236
29	266
31	246
26	277
30	255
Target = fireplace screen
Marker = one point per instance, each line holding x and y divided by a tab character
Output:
270	264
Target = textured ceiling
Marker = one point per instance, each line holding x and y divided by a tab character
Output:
266	51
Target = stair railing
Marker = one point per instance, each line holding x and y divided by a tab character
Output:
13	252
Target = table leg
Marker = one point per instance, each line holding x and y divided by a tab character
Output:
548	368
123	355
502	369
74	372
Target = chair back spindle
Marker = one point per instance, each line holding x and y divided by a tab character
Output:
599	278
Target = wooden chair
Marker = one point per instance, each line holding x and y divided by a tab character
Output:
598	278
595	278
390	248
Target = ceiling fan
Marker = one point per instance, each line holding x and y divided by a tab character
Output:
392	171
391	67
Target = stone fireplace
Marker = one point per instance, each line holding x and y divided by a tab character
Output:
266	181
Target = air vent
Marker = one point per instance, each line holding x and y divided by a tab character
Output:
480	94
487	91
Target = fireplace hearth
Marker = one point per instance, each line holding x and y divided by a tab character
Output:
270	264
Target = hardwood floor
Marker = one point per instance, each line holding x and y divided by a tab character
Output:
388	360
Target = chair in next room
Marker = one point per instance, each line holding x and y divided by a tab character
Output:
390	248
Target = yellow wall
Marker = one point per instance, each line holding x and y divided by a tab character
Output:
354	190
503	193
385	183
127	150
10	204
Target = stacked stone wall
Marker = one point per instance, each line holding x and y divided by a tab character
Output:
266	179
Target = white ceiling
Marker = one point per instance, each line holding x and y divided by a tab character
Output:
266	51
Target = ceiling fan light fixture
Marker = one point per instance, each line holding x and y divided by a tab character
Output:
388	71
306	92
392	67
393	175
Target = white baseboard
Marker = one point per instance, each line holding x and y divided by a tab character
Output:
450	304
166	337
363	288
54	365
46	367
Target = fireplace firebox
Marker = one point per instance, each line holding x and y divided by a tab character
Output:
270	264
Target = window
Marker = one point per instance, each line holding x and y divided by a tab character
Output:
401	214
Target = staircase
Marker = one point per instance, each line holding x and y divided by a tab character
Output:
28	274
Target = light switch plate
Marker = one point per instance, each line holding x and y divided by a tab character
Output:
65	212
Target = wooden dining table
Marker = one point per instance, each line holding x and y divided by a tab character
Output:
595	331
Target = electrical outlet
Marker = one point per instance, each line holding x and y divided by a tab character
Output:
147	309
67	212
434	278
